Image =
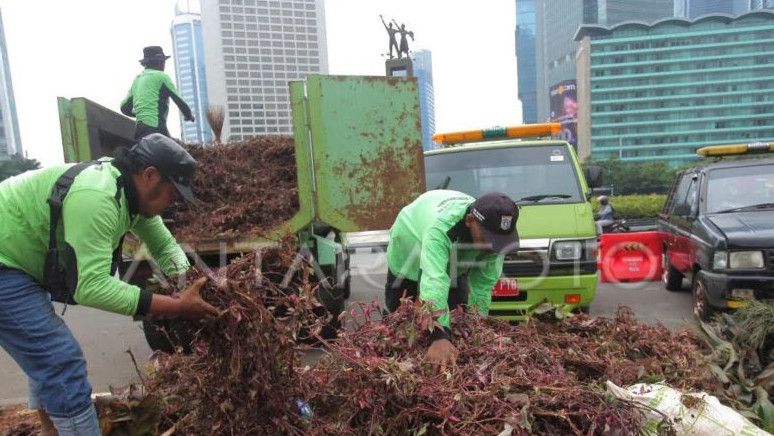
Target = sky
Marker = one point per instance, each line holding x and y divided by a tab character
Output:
91	48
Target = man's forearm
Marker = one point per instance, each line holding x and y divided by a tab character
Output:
164	306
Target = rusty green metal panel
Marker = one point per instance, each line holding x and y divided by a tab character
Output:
366	147
305	214
90	131
67	129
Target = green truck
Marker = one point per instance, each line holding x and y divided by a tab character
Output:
358	152
556	261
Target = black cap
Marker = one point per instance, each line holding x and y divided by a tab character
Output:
171	159
497	214
153	53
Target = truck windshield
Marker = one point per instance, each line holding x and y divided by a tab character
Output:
545	173
729	189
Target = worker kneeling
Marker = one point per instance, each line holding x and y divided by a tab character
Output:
447	248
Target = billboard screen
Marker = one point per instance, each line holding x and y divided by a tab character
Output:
564	110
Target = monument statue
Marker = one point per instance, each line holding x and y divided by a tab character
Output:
391	31
404	47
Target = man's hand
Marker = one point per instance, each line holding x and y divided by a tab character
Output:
441	354
190	302
186	305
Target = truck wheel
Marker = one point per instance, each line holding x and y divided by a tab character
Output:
166	335
673	279
701	306
582	309
333	302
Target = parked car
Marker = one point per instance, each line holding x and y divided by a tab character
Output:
718	231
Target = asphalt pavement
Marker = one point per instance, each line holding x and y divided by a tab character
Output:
105	337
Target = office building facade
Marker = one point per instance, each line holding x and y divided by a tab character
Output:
660	91
252	49
693	9
422	61
556	24
526	61
10	139
190	74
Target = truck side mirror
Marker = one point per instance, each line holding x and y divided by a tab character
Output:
593	175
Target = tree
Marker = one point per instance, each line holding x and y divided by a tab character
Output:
637	177
15	165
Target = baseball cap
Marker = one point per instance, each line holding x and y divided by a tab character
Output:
497	214
171	159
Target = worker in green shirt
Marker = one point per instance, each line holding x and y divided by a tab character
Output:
447	248
148	98
72	260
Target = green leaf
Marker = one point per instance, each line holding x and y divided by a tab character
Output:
764	409
543	308
719	373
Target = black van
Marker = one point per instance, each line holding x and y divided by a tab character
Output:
718	231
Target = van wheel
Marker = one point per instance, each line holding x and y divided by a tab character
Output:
672	278
582	309
701	306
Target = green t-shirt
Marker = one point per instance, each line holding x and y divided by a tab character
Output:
420	241
94	223
148	98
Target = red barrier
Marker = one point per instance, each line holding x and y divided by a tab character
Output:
630	257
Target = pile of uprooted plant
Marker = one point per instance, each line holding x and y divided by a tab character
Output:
240	376
245	374
540	377
232	183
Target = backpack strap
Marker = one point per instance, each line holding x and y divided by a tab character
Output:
54	274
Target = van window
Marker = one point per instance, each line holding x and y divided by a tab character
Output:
519	172
681	204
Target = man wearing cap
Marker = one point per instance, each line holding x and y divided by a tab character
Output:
106	199
447	249
148	98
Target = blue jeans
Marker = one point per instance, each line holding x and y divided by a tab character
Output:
43	346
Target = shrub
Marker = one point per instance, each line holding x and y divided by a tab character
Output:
635	206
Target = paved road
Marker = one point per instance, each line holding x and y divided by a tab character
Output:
650	302
105	337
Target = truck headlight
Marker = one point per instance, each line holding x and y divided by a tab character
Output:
745	260
568	250
720	260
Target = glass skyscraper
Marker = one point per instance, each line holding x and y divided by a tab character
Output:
190	74
697	8
526	60
10	141
422	61
556	24
660	92
253	48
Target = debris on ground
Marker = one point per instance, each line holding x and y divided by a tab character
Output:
685	413
18	420
742	359
245	375
541	377
240	377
